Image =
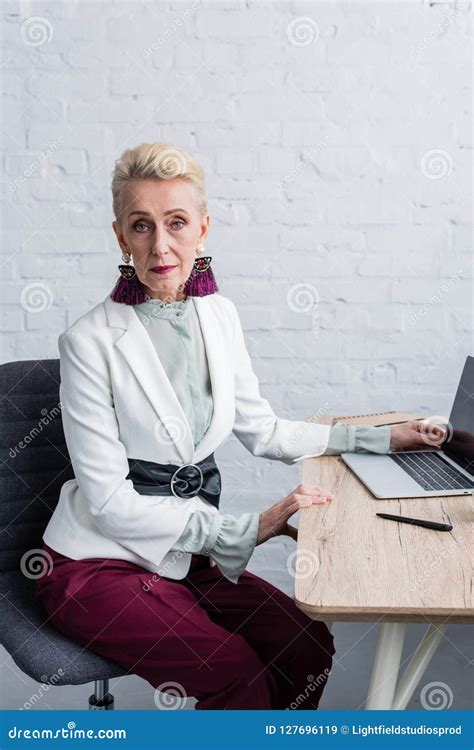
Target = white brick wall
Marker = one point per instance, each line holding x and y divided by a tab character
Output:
319	172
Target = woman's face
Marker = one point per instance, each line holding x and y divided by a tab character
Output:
161	226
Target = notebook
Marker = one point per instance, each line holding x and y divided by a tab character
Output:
377	419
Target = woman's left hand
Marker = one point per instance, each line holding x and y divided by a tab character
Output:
416	435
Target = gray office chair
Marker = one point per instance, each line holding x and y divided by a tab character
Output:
34	464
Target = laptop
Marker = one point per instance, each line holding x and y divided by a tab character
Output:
427	473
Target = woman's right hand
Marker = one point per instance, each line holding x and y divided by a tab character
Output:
274	521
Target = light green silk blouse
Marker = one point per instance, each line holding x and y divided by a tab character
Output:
175	332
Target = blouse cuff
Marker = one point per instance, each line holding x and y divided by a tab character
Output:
229	541
235	544
370	439
200	532
345	438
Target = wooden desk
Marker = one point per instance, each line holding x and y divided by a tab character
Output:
352	565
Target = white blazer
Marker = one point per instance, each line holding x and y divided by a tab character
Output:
118	403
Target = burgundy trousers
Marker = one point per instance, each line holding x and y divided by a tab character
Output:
230	646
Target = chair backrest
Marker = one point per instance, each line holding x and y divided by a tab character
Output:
34	458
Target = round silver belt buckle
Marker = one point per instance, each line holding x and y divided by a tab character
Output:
173	480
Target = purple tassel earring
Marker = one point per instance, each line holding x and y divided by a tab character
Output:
129	289
202	280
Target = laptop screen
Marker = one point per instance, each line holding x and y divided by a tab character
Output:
460	447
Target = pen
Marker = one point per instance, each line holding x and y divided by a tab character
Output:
417	522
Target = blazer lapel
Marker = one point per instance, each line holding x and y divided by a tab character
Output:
141	356
218	364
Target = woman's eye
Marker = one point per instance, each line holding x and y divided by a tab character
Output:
138	224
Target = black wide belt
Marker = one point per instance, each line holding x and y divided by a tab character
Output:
184	481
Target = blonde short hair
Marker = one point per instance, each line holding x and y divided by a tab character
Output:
157	161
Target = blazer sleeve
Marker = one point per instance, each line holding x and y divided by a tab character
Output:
256	425
147	525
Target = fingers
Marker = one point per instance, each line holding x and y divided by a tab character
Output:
304	496
306	489
429	428
429	435
305	501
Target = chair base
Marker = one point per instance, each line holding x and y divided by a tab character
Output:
101	699
106	704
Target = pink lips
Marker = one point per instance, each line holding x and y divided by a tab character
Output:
162	269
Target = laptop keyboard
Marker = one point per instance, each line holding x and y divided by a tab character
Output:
431	472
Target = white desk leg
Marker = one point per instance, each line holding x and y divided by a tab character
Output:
417	666
386	664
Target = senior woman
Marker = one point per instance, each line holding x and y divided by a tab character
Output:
146	569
